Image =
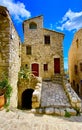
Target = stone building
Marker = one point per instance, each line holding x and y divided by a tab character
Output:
42	50
75	63
10	58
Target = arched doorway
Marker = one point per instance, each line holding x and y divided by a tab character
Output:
27	99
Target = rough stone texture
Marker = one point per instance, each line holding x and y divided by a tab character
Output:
10	59
74	99
49	110
53	95
75	58
24	85
42	53
71	111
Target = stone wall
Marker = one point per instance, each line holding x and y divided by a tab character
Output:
42	53
4	40
10	58
73	97
14	62
35	83
75	58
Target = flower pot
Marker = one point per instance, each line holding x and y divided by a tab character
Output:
2	101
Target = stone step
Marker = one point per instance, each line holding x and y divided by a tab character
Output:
53	95
57	82
57	79
57	111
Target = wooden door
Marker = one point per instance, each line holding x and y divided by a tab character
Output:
57	65
35	69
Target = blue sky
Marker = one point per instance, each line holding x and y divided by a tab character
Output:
59	15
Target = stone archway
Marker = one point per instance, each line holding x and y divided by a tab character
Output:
27	99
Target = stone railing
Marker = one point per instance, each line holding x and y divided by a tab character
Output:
36	97
73	97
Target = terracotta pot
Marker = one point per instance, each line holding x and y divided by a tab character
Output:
2	101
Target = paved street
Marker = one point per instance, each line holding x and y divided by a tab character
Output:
25	120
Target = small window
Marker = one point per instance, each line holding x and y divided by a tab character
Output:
32	25
76	69
81	67
28	50
73	82
45	67
77	43
26	65
47	39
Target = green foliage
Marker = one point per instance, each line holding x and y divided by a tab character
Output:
78	112
6	90
67	114
25	73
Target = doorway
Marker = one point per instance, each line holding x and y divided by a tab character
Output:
27	99
57	65
35	69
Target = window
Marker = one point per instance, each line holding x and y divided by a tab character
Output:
45	67
32	25
77	43
26	65
47	39
28	50
74	83
81	67
76	69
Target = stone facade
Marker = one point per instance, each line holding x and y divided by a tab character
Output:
45	46
10	48
75	63
24	86
42	52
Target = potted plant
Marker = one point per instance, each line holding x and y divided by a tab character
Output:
5	92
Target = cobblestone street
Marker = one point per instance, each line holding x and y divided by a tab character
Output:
25	120
53	95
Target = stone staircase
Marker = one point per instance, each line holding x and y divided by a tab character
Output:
57	79
53	95
54	100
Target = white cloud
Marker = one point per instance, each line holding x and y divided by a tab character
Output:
71	21
17	10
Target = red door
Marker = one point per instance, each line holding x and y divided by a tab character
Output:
57	65
35	69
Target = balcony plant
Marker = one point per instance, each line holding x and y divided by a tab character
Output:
5	92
